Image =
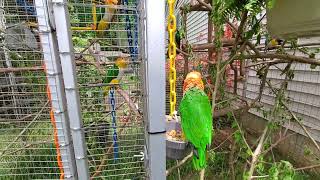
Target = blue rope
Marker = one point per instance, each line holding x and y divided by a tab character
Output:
136	30
114	124
133	46
28	8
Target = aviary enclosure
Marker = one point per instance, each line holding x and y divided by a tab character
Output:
82	90
60	112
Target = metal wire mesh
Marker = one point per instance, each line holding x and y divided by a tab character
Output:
95	56
27	146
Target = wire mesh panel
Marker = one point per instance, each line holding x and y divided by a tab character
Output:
31	111
105	39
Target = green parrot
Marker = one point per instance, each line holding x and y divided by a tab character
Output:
115	73
196	118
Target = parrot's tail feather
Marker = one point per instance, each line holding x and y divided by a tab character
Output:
115	146
102	26
200	161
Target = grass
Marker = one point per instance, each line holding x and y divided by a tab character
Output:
35	162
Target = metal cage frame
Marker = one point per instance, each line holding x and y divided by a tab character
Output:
65	92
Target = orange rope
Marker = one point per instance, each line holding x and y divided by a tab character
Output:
55	131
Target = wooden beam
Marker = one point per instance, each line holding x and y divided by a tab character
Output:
20	69
196	7
211	46
236	110
210	37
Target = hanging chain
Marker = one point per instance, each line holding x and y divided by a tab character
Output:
114	123
172	27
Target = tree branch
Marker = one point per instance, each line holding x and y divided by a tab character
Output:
302	126
281	58
204	46
183	161
307	167
197	7
281	139
257	152
21	69
208	6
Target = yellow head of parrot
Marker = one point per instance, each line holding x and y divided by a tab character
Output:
121	63
193	79
111	2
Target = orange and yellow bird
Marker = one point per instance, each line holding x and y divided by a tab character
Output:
104	23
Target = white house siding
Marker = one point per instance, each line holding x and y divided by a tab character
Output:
303	92
197	27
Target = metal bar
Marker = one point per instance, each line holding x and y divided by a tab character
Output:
63	29
56	86
154	58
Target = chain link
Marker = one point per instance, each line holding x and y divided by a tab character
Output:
114	123
172	27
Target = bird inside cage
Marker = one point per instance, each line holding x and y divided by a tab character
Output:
108	15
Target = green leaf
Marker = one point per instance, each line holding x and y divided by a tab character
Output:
258	39
313	66
271	3
312	55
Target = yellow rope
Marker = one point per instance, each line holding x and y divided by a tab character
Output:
172	27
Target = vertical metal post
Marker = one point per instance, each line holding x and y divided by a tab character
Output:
55	82
154	59
63	30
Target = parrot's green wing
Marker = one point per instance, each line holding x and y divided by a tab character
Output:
112	73
196	122
196	117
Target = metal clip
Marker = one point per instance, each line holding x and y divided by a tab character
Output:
141	155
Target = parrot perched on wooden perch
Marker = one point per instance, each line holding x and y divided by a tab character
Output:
196	118
104	23
114	75
115	72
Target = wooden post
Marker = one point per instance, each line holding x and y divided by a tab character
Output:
210	38
185	44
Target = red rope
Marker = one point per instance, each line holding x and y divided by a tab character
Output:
55	131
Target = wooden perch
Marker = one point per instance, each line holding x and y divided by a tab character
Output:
205	3
40	68
131	104
196	7
236	110
186	159
20	69
211	46
281	58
